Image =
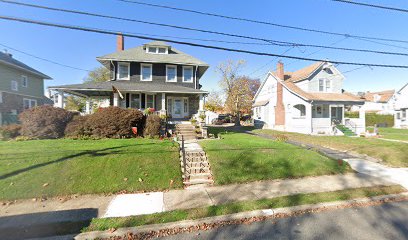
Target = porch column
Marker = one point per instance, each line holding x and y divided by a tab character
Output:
116	99
88	106
201	105
60	99
163	101
361	114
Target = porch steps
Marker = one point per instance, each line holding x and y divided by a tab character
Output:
197	171
345	130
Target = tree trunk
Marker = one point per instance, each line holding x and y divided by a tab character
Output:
237	117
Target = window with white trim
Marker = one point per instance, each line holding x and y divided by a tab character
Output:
404	114
185	105
123	71
24	81
136	100
14	85
149	101
146	72
157	50
29	103
321	85
324	85
328	85
299	111
171	73
187	74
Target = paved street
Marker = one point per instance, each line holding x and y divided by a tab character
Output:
387	221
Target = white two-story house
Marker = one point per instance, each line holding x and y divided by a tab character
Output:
310	100
401	108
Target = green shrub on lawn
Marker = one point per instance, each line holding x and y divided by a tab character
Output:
44	122
10	131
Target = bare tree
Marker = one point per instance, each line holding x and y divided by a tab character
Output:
214	102
229	82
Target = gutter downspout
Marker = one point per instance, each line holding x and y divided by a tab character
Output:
195	77
311	117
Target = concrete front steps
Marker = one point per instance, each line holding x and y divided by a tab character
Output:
187	130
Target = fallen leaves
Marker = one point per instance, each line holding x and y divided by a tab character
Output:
45	184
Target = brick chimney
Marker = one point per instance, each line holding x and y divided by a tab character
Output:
120	43
280	108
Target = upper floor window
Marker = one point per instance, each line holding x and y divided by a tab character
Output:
145	72
171	73
24	81
157	50
324	85
14	85
187	74
123	71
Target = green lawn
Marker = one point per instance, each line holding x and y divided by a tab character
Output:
86	166
392	153
240	157
393	133
100	224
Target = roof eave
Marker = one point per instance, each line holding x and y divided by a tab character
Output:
40	74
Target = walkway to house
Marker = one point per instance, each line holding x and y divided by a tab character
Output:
360	164
193	160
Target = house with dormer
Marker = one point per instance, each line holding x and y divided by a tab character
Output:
154	75
310	101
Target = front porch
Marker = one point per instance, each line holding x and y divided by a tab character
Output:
329	119
173	104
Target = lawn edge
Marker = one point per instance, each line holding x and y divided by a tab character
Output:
242	217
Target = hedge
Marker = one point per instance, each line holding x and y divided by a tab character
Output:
374	118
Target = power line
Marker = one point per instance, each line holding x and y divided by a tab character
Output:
44	59
109	32
262	22
373	5
274	42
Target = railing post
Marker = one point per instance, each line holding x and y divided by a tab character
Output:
183	151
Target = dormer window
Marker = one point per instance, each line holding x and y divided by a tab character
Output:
157	50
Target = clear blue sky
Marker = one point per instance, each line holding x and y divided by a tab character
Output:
79	49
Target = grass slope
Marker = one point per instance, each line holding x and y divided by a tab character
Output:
392	153
393	133
86	166
100	224
240	157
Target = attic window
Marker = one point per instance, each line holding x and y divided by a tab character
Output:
157	50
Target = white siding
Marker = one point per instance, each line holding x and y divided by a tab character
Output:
294	123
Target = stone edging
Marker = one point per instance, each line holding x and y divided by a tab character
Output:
157	230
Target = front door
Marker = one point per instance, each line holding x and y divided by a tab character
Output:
178	108
336	114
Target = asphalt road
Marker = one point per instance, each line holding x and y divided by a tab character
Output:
387	221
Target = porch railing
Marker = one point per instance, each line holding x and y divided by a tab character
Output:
183	155
351	124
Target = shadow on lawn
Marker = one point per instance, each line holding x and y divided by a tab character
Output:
93	153
46	224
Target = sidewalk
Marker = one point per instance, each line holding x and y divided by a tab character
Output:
364	165
183	199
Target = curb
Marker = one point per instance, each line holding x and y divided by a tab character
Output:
156	230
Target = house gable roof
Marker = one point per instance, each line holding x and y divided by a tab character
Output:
7	59
290	84
139	54
385	96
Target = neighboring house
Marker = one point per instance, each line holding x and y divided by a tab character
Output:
154	75
21	87
310	100
401	108
379	102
